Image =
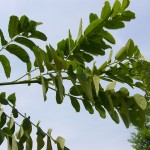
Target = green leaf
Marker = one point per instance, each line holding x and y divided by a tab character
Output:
85	83
40	142
29	66
19	52
40	132
76	90
70	42
24	41
129	48
2	118
124	117
93	17
71	74
12	98
137	118
116	8
45	58
96	81
125	4
114	24
126	16
3	41
11	123
49	144
20	133
29	143
7	131
124	91
13	27
103	66
26	124
111	86
3	98
38	35
107	36
121	55
6	65
106	10
75	103
94	27
38	57
80	31
15	112
60	143
88	106
2	137
100	110
60	89
110	56
87	57
44	87
141	101
24	21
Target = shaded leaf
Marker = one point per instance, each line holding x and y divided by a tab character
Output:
114	24
12	98
24	41
75	103
40	132
13	27
40	142
76	90
88	106
19	52
44	87
6	65
38	57
38	35
3	41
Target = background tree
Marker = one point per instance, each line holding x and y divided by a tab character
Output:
69	62
141	139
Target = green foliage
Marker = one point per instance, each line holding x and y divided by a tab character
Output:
69	61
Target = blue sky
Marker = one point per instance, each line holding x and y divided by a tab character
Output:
82	131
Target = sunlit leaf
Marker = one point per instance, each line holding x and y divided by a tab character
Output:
60	143
106	10
116	8
141	101
111	86
94	27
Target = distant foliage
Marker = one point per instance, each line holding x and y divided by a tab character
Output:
141	139
69	61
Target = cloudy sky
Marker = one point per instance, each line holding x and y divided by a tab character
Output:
82	131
